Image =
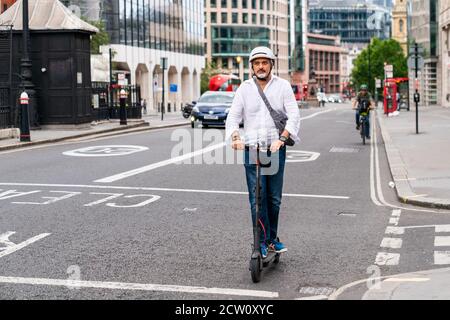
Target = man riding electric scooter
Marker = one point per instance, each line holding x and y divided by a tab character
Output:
267	106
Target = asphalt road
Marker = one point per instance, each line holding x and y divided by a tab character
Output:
138	226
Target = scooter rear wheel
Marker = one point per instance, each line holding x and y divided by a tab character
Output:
255	269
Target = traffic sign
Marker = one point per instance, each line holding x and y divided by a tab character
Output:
413	51
389	68
412	62
378	83
389	74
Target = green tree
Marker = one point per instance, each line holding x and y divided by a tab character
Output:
99	39
209	71
381	51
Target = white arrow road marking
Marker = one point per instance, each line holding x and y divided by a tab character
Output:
11	247
138	286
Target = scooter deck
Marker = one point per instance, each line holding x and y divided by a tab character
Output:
271	256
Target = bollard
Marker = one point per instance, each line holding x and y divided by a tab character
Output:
123	111
24	119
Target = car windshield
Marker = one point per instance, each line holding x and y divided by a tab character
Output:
217	98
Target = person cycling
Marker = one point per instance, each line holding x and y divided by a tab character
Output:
250	107
363	96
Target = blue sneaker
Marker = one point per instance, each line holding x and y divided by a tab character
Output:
264	250
277	246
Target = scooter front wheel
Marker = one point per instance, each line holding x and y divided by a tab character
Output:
255	269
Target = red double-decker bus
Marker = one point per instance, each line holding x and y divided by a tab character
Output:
224	82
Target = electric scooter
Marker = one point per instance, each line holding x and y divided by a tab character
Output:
257	262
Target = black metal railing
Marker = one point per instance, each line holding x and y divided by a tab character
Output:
104	108
5	109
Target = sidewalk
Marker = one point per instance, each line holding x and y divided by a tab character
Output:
420	163
148	122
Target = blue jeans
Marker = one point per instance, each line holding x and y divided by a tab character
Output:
367	125
270	194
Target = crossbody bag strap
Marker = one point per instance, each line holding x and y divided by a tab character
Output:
273	113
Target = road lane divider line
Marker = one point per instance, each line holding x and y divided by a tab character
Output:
137	287
225	192
160	164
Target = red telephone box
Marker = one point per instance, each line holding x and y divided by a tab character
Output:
391	88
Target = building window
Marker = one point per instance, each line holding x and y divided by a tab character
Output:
234	17
245	18
213	17
224	17
401	25
261	4
224	3
253	4
234	4
244	4
213	3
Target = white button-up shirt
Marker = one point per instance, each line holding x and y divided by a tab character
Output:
258	124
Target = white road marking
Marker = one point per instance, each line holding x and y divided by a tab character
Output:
138	286
394	221
387	259
325	291
442	241
442	257
295	195
392	243
12	247
407	280
373	195
305	156
395	230
396	212
68	194
442	228
160	164
105	151
319	297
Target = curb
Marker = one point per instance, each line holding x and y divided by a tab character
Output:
399	171
144	126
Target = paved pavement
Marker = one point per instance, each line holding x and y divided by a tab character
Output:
52	134
420	163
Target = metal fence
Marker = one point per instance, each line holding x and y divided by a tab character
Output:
106	101
7	109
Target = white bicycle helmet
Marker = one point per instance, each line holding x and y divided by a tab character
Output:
262	52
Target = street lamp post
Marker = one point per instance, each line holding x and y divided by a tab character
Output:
163	67
276	39
239	60
26	75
